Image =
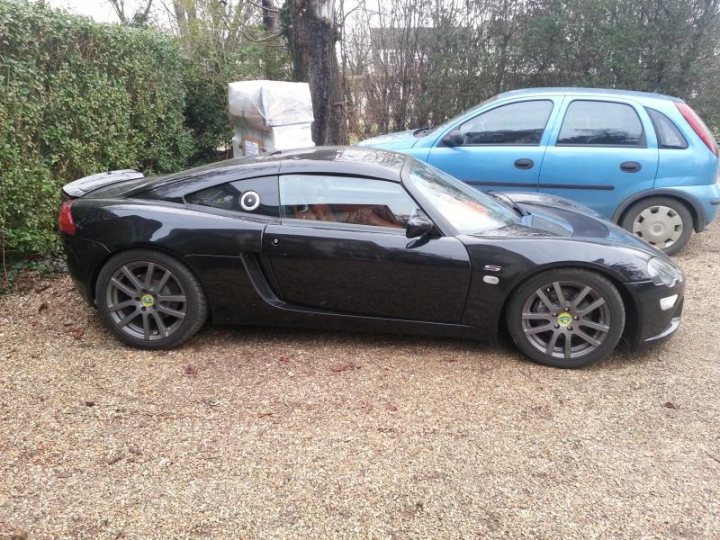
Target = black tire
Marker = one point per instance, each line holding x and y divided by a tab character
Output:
535	327
671	210
161	308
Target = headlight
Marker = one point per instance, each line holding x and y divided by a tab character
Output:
663	273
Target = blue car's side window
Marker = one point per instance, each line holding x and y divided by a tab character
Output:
515	124
601	123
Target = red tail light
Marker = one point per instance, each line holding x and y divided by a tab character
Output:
65	219
698	126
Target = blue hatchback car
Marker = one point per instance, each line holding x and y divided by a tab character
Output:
645	161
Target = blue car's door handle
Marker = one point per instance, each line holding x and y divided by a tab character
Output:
524	163
630	166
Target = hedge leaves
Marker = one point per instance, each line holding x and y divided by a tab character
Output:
77	98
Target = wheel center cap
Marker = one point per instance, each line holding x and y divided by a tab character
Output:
565	319
148	300
658	228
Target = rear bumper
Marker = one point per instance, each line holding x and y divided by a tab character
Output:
84	258
649	324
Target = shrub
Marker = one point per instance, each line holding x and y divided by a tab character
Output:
76	98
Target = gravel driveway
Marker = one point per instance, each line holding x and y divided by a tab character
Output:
248	433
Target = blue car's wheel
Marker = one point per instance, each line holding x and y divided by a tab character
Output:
566	318
663	222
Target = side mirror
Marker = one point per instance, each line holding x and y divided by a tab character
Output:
418	226
454	138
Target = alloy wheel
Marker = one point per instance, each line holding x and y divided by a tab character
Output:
146	301
566	319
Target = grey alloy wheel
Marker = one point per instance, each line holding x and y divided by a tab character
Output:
566	319
146	301
150	299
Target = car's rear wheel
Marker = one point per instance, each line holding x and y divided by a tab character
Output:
566	318
150	300
663	222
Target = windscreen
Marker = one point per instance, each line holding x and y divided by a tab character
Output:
467	209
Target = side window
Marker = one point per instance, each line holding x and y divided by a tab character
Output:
514	124
254	195
668	134
601	123
340	199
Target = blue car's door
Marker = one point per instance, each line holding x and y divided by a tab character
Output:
600	153
502	146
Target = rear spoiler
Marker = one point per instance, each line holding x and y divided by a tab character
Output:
85	185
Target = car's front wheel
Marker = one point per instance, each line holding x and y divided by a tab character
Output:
150	300
663	222
566	318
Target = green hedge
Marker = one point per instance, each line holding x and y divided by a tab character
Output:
76	98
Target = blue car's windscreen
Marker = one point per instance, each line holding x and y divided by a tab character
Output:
467	209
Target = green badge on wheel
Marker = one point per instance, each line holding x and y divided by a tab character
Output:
564	319
148	300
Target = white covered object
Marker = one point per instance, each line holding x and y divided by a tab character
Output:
269	116
248	141
266	104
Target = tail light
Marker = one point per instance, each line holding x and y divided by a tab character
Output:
698	126
65	219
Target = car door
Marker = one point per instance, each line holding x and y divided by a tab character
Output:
601	152
502	147
341	247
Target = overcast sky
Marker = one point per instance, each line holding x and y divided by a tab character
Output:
102	11
99	10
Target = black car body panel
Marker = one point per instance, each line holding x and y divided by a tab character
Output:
260	269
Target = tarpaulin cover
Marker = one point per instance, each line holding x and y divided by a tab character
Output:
263	104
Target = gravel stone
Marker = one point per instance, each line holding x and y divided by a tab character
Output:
266	433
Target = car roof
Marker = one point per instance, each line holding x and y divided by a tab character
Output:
563	90
355	160
342	160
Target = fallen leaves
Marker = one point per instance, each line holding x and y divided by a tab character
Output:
115	458
347	366
74	330
43	287
191	371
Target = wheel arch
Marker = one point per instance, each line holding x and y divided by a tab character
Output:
692	204
140	245
631	310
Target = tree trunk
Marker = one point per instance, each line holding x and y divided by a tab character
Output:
185	13
269	16
312	31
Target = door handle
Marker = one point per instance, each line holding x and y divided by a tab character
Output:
630	166
524	163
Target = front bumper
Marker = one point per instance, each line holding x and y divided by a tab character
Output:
647	323
665	334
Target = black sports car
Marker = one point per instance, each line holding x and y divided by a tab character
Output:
360	239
